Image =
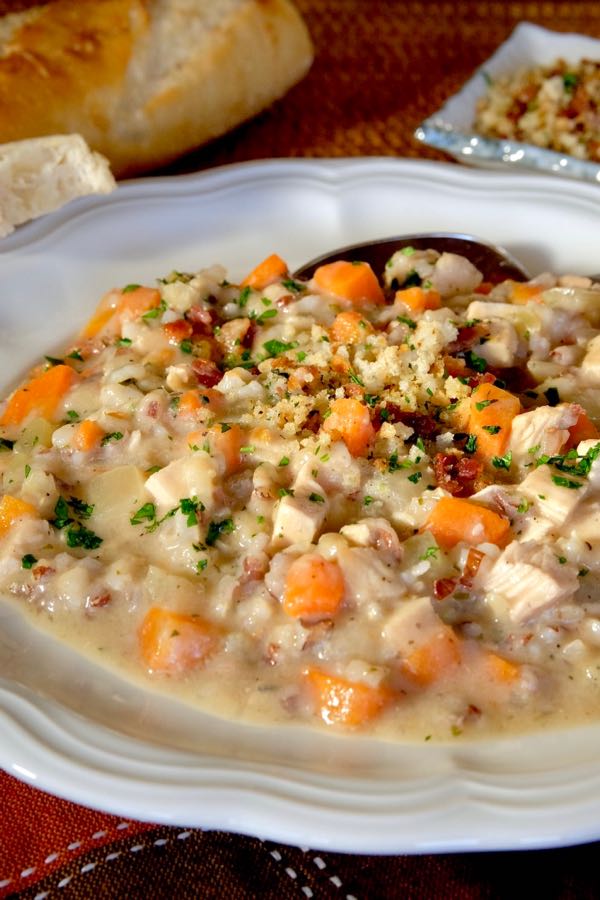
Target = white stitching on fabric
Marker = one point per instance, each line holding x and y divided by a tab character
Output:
74	845
291	873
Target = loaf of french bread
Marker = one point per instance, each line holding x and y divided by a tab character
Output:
144	81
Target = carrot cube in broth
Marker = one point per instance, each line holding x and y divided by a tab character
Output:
350	421
174	643
419	299
491	412
11	509
339	701
314	588
86	435
434	659
453	520
350	327
41	395
354	281
270	270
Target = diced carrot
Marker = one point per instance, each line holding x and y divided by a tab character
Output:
500	669
271	269
350	421
350	327
491	412
339	701
86	435
453	519
354	281
419	299
522	292
174	643
11	509
41	395
178	331
583	430
191	402
314	588
434	659
121	304
229	442
484	288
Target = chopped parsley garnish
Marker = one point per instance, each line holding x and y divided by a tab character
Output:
355	378
502	462
413	279
155	312
129	288
368	500
80	536
61	513
276	348
201	565
316	498
113	436
290	285
394	464
123	342
482	404
267	314
284	461
216	529
471	444
406	320
415	477
6	445
54	361
244	296
186	346
561	481
407	251
371	399
523	506
248	449
28	561
430	553
27	470
146	513
491	429
477	363
72	414
552	396
83	510
570	81
190	506
301	356
75	355
285	492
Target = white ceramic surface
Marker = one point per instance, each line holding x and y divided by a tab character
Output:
451	127
71	728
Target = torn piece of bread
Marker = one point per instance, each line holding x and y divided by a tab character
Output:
40	175
145	81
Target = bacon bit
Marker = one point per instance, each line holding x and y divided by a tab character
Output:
99	600
467	336
203	320
178	331
152	409
206	372
354	390
255	567
318	632
284	300
423	425
484	288
236	333
42	572
477	378
443	587
312	421
456	473
271	654
472	564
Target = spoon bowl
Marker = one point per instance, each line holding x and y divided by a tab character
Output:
495	263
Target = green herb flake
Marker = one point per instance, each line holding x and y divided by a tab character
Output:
471	444
80	536
123	342
28	561
244	296
482	404
156	311
201	565
276	348
430	553
113	436
72	415
406	320
186	346
216	529
477	363
129	288
75	355
491	429
146	513
316	498
285	492
27	470
415	477
290	285
502	462
561	481
81	509
248	449
284	461
6	445
54	361
61	513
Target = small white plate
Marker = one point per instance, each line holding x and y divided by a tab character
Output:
451	127
69	727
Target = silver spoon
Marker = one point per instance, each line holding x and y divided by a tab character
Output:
495	263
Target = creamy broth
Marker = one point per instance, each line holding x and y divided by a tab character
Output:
366	504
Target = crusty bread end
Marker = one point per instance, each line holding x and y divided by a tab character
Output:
40	175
